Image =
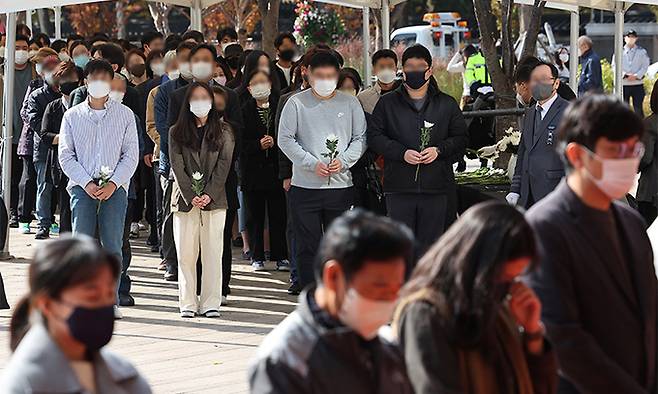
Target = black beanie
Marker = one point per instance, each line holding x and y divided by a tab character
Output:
417	51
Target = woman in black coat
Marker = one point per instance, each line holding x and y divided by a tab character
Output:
263	191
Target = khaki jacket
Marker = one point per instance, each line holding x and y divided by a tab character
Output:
213	165
150	122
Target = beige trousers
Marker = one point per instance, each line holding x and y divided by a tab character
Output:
196	231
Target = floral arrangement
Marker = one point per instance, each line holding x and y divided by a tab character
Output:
483	176
315	24
509	143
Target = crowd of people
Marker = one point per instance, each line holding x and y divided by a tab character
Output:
212	144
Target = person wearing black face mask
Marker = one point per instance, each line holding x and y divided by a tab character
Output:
420	132
285	45
466	324
46	142
72	291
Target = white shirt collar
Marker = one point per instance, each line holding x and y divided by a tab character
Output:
547	105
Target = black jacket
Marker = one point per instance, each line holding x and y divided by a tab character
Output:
309	352
283	82
143	90
259	169
36	105
50	125
599	308
394	127
233	116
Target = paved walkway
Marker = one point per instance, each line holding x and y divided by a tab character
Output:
177	356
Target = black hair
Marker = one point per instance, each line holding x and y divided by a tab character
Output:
358	236
417	51
653	102
554	71
251	65
154	54
324	59
384	54
184	130
112	53
58	45
208	47
21	37
597	116
193	35
469	50
278	41
22	29
99	37
185	45
350	73
339	57
42	40
74	37
463	269
227	31
149	36
98	65
226	69
524	69
57	266
171	42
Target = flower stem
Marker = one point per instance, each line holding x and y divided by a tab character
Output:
417	170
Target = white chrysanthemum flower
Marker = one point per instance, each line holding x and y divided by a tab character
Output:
105	171
197	176
515	138
488	151
428	124
332	137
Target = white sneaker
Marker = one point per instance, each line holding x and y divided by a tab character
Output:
117	313
187	314
134	230
224	300
142	227
283	265
258	266
211	314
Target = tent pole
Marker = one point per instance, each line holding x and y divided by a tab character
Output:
58	22
573	50
195	15
366	46
619	34
28	21
9	122
386	24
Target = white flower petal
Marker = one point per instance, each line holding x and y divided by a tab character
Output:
428	124
197	176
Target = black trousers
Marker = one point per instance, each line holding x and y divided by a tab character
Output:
27	191
425	214
314	210
168	245
65	223
157	187
256	202
227	253
637	93
648	211
16	173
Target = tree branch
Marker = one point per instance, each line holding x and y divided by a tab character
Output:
530	42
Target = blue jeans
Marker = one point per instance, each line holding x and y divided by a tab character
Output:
109	219
44	195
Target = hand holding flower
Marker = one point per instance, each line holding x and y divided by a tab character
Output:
335	166
429	155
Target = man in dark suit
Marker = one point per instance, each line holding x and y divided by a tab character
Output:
539	168
203	57
595	275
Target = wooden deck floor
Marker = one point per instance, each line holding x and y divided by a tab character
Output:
176	356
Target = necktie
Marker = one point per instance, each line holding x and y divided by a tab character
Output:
538	111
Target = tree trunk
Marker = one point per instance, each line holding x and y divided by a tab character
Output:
269	16
120	19
533	28
376	19
160	14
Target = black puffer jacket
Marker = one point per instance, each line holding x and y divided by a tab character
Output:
309	352
394	127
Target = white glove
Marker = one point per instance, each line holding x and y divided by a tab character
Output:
512	198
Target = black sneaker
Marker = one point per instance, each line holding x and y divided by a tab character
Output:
171	275
126	300
42	233
152	240
294	289
238	242
13	222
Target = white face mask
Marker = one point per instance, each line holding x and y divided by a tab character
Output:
98	89
2	51
221	80
226	44
324	87
117	96
386	76
200	108
201	70
363	315
564	57
260	91
617	176
49	78
38	68
158	69
265	69
64	57
185	71
173	74
125	73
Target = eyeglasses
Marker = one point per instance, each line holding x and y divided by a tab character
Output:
621	151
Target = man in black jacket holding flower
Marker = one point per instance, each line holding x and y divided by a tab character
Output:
419	130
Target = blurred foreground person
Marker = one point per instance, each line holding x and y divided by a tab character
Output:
59	330
596	277
330	343
465	323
